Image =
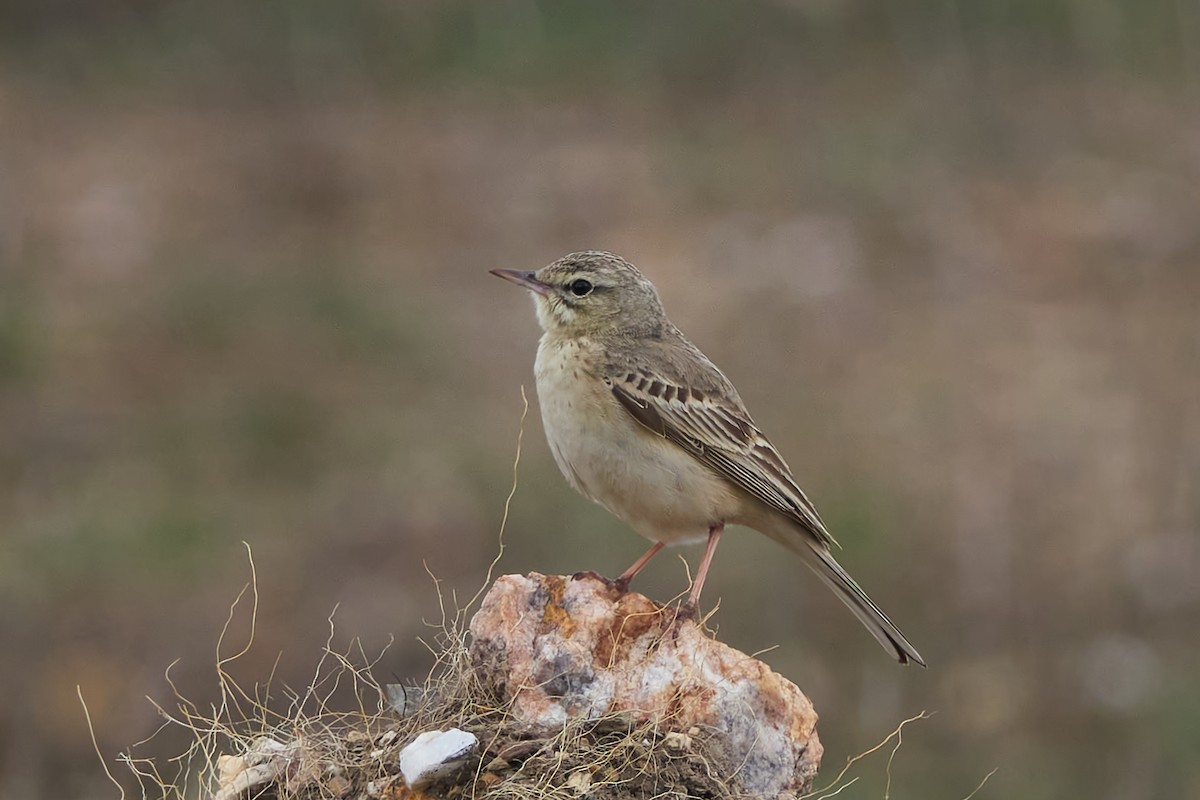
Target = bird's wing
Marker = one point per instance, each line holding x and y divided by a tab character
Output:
714	427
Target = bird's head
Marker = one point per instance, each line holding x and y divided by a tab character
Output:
592	293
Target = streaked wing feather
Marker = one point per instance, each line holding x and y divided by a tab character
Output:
721	435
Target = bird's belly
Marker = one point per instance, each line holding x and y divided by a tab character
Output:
656	488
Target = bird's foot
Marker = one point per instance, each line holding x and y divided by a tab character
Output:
677	616
614	584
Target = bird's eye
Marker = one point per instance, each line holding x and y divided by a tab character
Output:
579	287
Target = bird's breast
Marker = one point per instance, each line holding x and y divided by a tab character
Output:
661	491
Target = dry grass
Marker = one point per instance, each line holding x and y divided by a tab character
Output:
312	749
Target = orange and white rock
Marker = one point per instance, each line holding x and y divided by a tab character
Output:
563	648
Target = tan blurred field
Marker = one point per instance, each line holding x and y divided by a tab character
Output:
951	259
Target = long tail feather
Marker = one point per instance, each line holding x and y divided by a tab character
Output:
822	562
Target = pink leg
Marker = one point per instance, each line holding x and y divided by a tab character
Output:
693	601
631	573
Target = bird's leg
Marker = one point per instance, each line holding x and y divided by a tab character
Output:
693	602
622	583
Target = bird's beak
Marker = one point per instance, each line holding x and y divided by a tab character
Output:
525	279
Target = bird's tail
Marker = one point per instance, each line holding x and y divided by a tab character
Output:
822	562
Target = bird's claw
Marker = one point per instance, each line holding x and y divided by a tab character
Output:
677	616
614	584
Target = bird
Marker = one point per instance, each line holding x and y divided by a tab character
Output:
641	422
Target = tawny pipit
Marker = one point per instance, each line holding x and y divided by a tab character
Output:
641	422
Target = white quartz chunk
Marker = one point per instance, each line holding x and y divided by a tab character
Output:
435	754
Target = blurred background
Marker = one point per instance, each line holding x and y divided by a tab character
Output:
949	251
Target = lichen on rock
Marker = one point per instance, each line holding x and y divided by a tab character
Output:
562	649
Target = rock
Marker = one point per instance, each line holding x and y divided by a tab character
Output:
559	649
404	699
677	742
265	761
579	781
434	755
338	786
236	776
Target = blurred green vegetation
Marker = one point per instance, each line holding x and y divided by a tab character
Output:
947	250
273	43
